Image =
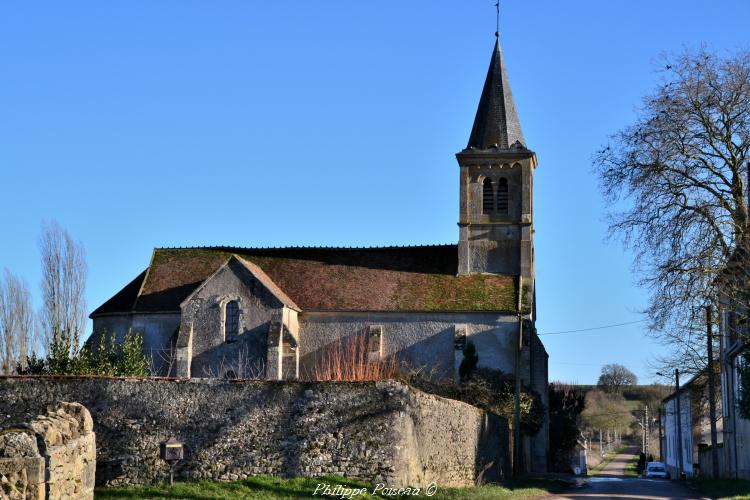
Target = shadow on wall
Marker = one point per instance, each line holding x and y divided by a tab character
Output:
306	422
228	428
173	295
490	440
233	429
244	358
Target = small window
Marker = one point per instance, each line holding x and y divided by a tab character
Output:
488	197
502	196
459	337
231	320
375	342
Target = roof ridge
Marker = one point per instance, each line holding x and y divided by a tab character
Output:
310	247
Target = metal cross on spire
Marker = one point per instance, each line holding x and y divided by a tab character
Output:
497	23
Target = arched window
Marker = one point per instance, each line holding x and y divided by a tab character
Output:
231	320
488	197
502	196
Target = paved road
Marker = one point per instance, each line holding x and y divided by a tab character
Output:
612	483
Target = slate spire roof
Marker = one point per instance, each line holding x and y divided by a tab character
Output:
496	121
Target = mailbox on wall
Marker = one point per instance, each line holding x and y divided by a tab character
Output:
171	451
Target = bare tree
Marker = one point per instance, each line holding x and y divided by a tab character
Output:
606	415
676	182
614	378
17	332
63	312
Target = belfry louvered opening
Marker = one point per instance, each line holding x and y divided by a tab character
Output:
488	197
502	196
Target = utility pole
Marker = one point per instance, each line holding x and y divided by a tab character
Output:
517	408
711	394
646	431
661	438
679	423
643	435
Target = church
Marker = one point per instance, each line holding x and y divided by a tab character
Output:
271	312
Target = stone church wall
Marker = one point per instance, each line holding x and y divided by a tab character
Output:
539	377
495	249
212	355
374	431
421	340
158	331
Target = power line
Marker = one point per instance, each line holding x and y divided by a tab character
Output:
577	364
594	328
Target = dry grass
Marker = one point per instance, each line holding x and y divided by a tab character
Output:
351	360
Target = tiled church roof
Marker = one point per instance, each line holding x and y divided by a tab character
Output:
124	300
420	278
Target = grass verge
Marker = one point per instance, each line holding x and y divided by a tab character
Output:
273	488
630	469
723	488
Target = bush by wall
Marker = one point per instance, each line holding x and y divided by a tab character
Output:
104	357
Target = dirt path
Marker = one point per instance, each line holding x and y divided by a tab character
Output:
616	468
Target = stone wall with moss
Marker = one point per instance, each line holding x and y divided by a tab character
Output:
374	431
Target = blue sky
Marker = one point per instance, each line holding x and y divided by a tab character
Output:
176	123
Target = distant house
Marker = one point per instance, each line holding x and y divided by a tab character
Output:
579	457
735	308
695	423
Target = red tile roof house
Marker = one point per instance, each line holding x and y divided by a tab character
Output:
223	311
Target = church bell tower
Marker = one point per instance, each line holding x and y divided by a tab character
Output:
496	231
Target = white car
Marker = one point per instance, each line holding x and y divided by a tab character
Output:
656	470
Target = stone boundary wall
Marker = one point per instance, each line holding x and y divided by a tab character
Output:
374	431
21	466
53	456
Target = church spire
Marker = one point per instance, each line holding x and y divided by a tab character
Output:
496	125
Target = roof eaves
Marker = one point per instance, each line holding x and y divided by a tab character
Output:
145	280
97	312
414	311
